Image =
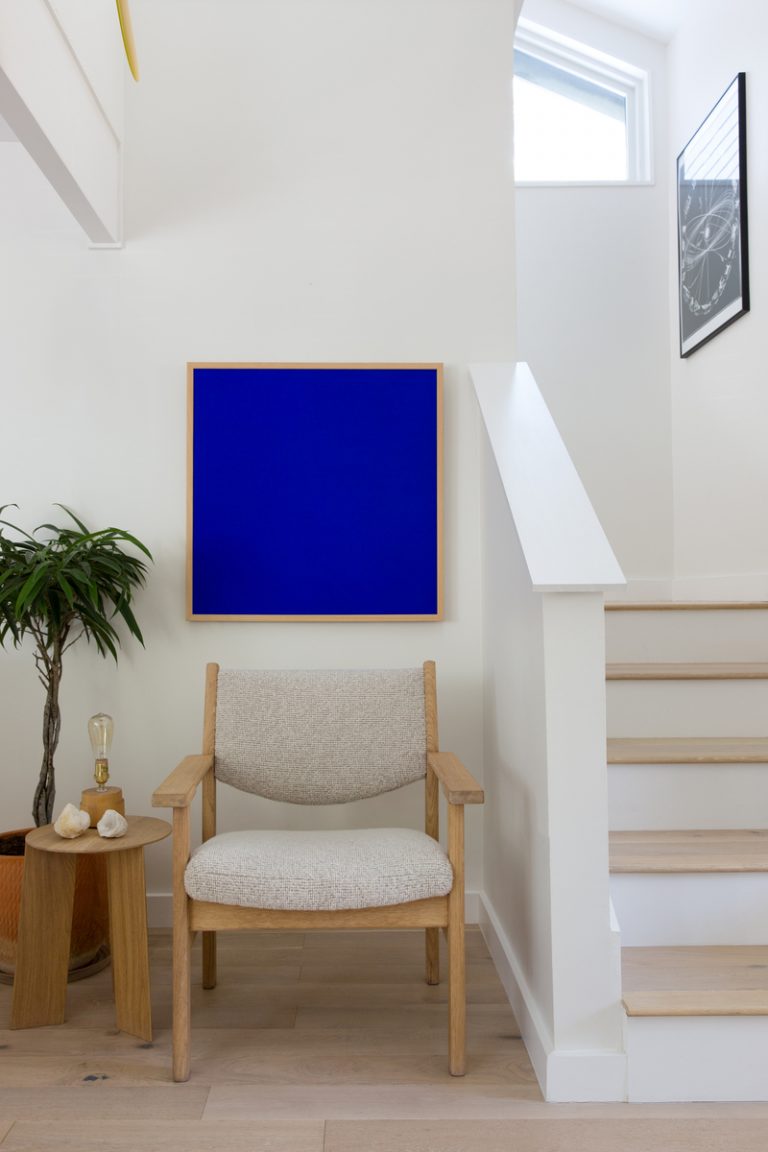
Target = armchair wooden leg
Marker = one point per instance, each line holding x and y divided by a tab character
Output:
457	1007
182	949
209	960
433	955
182	1003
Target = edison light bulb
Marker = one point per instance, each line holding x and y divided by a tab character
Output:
100	728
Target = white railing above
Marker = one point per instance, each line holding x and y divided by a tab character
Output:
563	542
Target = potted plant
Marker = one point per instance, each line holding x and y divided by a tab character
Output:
58	584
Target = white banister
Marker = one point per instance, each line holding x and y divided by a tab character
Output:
561	537
546	908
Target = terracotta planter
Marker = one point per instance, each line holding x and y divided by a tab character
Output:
89	951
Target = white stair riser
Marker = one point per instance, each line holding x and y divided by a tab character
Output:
687	636
652	797
697	1058
691	908
687	708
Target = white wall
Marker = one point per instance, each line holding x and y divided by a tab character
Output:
593	318
306	180
719	396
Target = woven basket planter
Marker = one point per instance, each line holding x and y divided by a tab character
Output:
89	949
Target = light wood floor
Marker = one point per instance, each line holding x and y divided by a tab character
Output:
318	1043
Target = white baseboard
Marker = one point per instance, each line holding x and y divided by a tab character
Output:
565	1075
159	910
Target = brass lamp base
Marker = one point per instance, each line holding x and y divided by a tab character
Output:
96	801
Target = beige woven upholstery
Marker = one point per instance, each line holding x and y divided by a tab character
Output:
361	868
320	737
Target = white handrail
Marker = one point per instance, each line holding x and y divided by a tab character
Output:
563	542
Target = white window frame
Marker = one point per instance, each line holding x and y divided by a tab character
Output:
608	72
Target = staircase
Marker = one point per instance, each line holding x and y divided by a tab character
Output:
688	802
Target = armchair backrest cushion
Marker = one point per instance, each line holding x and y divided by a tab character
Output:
320	737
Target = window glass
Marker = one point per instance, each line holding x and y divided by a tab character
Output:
579	116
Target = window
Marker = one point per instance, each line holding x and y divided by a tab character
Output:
580	116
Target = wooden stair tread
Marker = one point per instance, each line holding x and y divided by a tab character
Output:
706	850
683	671
685	605
688	750
721	980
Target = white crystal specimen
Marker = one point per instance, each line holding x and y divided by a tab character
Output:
72	822
112	825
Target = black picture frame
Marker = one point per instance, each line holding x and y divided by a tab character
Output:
713	258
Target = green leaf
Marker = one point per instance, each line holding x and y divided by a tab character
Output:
27	593
70	513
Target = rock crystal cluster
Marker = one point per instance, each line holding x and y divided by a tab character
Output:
112	825
73	822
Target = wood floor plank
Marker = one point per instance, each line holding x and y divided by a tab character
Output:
167	1102
329	995
253	1068
456	1099
5	1126
358	972
97	1047
227	1007
168	1136
40	1069
687	750
567	1135
486	1019
709	850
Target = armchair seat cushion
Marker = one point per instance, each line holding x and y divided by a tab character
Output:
314	871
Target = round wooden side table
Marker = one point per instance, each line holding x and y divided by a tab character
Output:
45	923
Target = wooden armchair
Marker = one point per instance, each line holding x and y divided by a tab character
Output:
318	738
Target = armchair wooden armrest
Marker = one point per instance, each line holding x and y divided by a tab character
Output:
177	790
458	784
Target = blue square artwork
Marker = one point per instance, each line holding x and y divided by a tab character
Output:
315	491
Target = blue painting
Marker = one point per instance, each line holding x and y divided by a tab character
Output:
315	492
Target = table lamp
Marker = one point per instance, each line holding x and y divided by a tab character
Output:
97	800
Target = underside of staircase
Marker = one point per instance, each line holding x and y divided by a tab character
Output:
688	779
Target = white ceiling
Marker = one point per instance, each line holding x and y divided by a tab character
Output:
657	18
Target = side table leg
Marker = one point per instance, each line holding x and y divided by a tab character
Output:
42	950
128	936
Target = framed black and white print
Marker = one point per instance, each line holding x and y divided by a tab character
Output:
712	222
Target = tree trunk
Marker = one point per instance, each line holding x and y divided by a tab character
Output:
42	805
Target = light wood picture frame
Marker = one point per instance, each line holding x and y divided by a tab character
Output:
314	492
